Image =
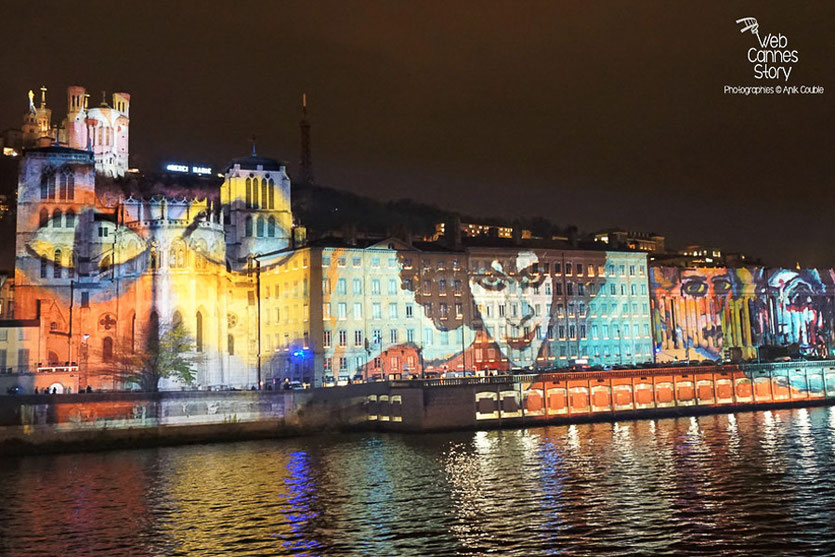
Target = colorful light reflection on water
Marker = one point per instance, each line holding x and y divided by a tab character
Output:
741	484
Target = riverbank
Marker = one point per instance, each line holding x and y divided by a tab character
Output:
94	421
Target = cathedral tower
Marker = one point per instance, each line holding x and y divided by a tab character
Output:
258	217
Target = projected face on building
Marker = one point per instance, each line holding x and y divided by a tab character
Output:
798	312
719	312
513	298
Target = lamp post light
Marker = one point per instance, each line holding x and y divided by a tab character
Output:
84	354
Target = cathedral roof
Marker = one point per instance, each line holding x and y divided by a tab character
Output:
252	162
57	149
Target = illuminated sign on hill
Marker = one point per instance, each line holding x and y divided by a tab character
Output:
186	169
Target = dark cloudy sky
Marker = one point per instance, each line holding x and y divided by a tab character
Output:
593	113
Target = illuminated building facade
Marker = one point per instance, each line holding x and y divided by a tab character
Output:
94	273
472	230
643	241
393	308
102	129
97	273
716	312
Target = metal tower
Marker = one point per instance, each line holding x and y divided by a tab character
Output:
306	163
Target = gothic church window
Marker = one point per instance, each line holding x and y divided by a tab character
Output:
200	256
67	186
107	349
69	219
248	193
56	266
272	194
260	228
271	227
264	195
199	332
48	184
56	218
248	227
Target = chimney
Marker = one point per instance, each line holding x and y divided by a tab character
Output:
517	235
452	232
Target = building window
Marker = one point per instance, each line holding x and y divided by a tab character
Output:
67	187
248	227
260	227
358	337
342	337
198	337
410	311
56	264
271	227
230	344
376	311
265	197
393	336
272	194
48	184
107	349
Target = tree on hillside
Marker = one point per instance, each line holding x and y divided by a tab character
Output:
165	352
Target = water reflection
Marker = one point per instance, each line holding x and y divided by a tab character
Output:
742	484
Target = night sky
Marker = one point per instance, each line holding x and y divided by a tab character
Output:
589	113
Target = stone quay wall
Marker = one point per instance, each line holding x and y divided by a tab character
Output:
90	421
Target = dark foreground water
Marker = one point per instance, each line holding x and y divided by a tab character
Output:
745	484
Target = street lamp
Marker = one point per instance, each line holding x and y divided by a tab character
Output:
84	353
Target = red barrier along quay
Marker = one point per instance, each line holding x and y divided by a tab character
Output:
569	397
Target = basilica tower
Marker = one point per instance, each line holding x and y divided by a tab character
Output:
256	199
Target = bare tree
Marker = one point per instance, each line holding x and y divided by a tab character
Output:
164	352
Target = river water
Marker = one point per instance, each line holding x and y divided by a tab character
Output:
752	483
